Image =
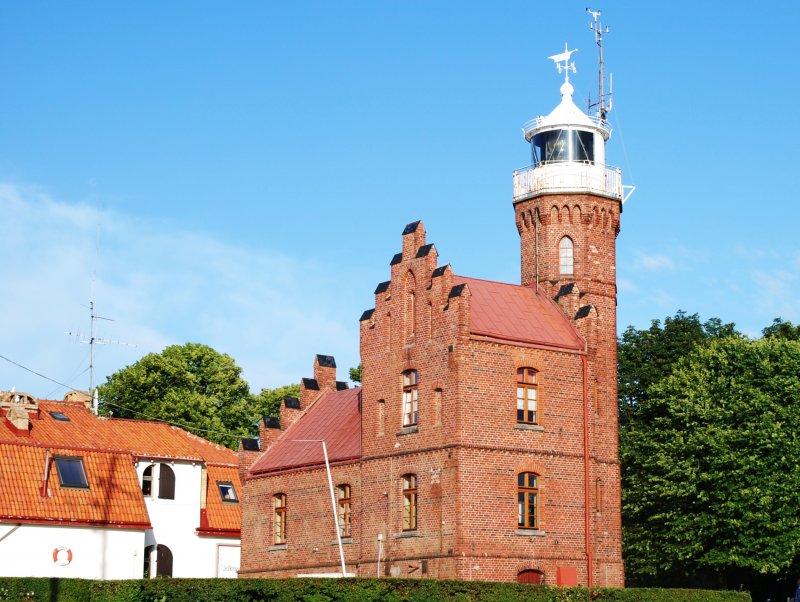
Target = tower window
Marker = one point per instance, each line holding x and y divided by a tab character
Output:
527	396
410	398
527	501
566	257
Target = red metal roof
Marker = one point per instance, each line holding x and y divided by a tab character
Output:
334	417
518	314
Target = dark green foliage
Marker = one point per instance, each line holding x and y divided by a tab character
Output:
331	590
782	330
647	356
711	490
190	385
268	402
355	373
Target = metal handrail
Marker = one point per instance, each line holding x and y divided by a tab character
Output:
536	122
598	179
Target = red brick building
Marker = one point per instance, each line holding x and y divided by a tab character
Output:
483	442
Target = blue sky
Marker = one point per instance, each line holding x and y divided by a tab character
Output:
238	174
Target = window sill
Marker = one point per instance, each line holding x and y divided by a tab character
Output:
529	532
277	547
406	534
522	426
407	430
345	541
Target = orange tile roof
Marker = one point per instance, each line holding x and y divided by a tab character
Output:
114	496
140	437
334	417
518	314
221	517
109	447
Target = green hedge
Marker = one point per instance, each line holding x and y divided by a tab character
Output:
332	590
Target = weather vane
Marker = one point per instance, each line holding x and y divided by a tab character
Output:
562	61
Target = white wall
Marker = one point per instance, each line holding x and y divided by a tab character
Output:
175	523
96	553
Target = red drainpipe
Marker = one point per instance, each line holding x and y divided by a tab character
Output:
586	500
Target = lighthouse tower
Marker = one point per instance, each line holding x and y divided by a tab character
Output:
567	206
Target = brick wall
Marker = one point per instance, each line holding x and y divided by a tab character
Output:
467	448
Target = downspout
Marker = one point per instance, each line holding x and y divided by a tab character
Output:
46	475
586	500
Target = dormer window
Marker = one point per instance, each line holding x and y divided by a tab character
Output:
71	472
566	257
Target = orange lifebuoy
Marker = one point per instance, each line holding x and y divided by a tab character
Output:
62	556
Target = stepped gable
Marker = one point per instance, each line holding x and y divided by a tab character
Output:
514	313
334	417
113	499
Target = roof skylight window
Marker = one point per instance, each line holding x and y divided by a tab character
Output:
60	416
71	472
227	492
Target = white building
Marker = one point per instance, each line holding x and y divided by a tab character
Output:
99	498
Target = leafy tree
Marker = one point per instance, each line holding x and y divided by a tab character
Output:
268	402
647	356
710	481
191	385
783	330
355	373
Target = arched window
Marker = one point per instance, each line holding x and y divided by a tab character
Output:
343	495
527	396
410	398
409	502
566	257
279	508
527	500
166	483
147	481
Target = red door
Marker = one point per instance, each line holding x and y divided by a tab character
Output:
530	576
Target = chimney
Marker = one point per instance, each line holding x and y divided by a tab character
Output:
325	372
79	397
17	409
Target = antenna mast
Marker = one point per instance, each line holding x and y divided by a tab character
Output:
596	26
92	340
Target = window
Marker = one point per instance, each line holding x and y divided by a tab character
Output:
527	497
381	416
166	482
343	494
71	472
409	502
410	398
147	481
227	492
60	416
527	396
279	506
566	256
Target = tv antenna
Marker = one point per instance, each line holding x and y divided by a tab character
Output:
93	340
604	101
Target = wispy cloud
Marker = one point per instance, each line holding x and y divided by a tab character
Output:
654	262
162	285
